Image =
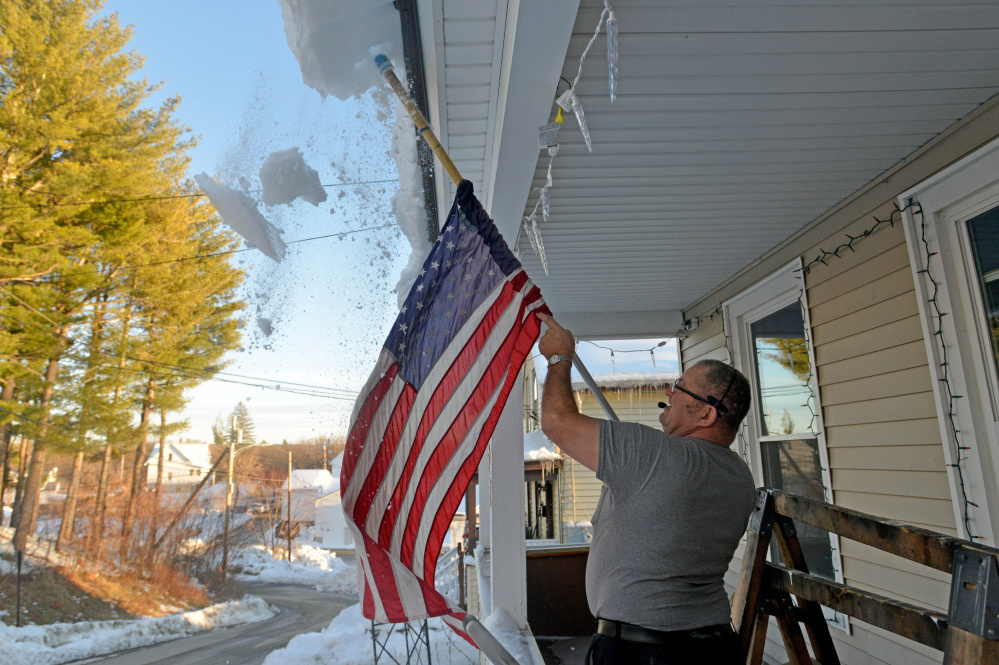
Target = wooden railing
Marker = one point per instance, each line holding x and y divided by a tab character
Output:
968	634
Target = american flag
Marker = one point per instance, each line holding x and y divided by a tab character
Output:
422	421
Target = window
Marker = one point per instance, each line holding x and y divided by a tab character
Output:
781	438
789	448
951	223
983	234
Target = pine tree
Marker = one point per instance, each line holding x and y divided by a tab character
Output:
245	424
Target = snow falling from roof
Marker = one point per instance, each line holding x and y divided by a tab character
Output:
285	177
240	213
334	42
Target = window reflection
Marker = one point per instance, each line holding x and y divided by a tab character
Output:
783	370
984	233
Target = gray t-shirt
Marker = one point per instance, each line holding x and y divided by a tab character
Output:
671	513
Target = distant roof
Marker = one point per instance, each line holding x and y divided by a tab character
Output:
537	446
304	479
629	380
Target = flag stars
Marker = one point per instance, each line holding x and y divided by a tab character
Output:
405	308
422	273
435	265
450	296
491	272
419	288
450	245
469	260
403	327
468	277
419	304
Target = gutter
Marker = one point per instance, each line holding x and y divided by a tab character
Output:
412	53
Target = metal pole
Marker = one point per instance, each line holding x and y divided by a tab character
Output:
20	557
594	388
289	504
228	497
487	644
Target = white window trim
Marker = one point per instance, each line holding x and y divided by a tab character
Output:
770	294
948	200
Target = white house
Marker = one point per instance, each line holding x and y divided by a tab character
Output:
184	463
307	485
330	530
809	191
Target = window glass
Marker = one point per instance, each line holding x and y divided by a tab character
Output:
984	233
793	466
782	369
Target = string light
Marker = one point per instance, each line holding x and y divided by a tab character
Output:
568	101
941	343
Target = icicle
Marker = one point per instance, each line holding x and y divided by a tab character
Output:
652	352
612	52
546	203
570	102
540	244
613	368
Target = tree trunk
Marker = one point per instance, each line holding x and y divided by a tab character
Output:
159	471
7	438
23	459
101	504
141	452
29	506
29	500
69	508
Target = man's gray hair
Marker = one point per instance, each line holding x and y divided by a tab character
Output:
717	376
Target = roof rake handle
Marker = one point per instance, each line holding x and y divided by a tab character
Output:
487	644
386	69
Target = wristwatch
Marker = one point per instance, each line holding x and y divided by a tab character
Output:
557	358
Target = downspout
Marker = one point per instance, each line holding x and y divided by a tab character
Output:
412	54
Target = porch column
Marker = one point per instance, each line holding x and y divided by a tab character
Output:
508	556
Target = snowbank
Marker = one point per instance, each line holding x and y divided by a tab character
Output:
62	642
335	41
346	642
310	565
285	177
240	213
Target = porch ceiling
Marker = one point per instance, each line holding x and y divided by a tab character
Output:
736	124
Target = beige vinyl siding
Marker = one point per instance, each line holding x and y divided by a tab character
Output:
879	416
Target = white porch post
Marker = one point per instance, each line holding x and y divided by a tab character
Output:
508	556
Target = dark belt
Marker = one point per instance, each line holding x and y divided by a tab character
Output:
632	633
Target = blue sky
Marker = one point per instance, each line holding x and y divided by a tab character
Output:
331	301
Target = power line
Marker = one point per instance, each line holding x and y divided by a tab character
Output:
140	199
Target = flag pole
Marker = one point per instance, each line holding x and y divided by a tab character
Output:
386	69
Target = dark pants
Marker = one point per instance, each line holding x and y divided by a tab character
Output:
716	646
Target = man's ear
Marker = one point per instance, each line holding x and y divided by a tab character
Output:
709	417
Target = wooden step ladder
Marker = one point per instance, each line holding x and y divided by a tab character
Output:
967	635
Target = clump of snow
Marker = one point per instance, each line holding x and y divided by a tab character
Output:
62	642
335	42
264	325
240	213
310	565
505	630
537	446
347	641
285	176
407	203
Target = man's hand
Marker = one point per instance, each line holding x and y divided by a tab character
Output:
556	339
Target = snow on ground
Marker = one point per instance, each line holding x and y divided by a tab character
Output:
240	213
62	642
309	565
285	176
346	641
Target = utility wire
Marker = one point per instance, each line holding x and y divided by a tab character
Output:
139	199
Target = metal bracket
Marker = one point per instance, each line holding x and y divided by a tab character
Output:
761	520
974	594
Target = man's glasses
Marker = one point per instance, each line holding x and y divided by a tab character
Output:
712	401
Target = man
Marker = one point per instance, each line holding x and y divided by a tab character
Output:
674	505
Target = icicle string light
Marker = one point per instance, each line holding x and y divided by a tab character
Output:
569	101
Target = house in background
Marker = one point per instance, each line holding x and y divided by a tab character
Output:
184	463
808	191
307	486
330	529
